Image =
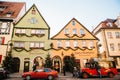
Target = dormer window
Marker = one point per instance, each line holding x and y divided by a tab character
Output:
9	13
109	24
2	8
73	23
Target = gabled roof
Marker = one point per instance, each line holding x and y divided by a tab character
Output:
55	37
38	16
12	8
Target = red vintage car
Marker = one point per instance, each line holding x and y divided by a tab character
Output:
46	73
91	70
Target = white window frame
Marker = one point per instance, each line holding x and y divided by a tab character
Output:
20	31
82	32
74	31
117	34
35	31
67	43
75	43
91	43
19	44
66	30
36	44
83	43
59	43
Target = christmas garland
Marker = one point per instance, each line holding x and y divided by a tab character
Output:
60	48
38	35
75	35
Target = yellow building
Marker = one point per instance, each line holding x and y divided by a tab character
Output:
75	39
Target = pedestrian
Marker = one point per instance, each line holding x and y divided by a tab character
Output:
64	70
75	72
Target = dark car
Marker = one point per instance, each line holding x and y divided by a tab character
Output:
3	73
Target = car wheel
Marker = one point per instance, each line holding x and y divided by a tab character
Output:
110	75
85	75
50	77
28	77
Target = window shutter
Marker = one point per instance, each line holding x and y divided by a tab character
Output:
3	39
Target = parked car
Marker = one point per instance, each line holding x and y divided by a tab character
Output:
91	70
3	73
45	73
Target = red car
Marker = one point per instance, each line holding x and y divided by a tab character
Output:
91	70
47	73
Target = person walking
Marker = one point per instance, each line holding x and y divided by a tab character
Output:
64	70
75	72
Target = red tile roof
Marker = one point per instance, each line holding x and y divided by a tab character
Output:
12	8
108	23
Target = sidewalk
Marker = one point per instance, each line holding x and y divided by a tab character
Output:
68	75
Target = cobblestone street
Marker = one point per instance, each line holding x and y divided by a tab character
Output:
17	76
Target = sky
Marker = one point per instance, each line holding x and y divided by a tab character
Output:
57	13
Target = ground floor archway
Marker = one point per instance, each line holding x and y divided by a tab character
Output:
16	64
57	63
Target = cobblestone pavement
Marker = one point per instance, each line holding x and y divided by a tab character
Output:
17	76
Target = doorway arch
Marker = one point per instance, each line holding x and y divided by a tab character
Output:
16	64
67	64
57	63
38	62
